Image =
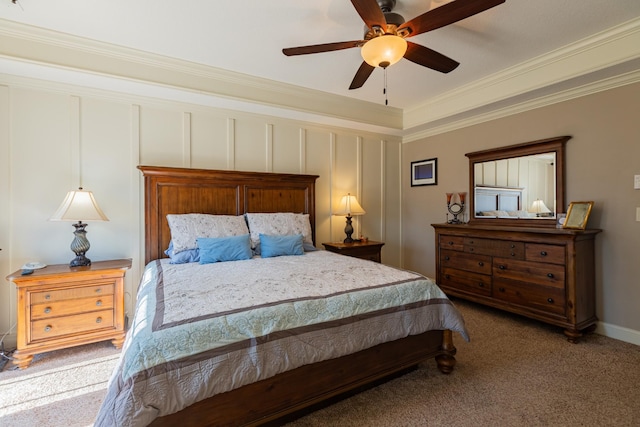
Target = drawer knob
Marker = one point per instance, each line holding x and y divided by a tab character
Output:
446	276
99	302
481	264
446	258
501	289
48	328
513	254
550	275
543	253
450	242
471	241
47	310
550	300
502	267
481	284
47	296
513	246
98	290
470	249
99	320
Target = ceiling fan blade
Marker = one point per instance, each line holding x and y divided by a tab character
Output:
361	76
447	14
429	58
370	13
318	48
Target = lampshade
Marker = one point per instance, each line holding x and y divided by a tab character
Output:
384	50
349	206
79	205
538	207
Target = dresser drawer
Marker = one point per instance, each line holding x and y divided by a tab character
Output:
455	243
544	298
500	248
553	254
476	263
465	281
65	308
66	325
531	272
72	293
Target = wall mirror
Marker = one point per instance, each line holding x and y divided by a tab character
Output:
518	185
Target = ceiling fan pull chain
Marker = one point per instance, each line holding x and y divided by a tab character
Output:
384	91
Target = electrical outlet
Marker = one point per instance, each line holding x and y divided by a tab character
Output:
636	182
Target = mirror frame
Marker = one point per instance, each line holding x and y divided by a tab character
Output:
555	145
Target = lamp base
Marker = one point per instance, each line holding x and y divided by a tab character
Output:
80	245
80	261
348	230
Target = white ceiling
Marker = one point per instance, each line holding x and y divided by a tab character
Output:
247	36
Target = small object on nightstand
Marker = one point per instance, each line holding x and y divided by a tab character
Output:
26	271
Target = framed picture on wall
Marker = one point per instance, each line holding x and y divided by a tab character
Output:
577	215
424	172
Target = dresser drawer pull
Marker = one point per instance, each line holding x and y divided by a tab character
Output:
99	320
513	246
502	267
47	296
98	290
99	302
513	254
446	276
450	243
48	328
47	310
550	300
481	284
446	258
501	289
543	253
470	249
481	264
550	275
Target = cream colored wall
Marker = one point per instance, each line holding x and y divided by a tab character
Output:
602	158
55	137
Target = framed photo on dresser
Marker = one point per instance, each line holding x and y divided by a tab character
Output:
577	215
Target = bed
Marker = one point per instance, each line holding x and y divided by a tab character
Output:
179	366
500	202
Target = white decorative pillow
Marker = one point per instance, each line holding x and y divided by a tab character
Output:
186	228
278	224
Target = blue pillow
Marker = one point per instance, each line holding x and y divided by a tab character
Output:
190	255
220	249
272	246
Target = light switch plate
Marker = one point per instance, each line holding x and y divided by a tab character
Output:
638	214
636	182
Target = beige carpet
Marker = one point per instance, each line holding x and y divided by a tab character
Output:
514	372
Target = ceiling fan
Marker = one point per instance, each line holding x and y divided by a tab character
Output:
384	41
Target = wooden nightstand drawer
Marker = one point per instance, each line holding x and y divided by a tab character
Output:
66	325
62	308
72	293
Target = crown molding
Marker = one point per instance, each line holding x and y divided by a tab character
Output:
607	49
41	46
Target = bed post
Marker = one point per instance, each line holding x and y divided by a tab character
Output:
446	361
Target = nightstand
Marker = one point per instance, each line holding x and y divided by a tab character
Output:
365	250
61	306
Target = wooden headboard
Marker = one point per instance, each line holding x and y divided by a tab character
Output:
497	199
182	190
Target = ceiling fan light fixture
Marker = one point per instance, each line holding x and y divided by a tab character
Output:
384	50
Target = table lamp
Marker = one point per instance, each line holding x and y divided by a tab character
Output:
349	206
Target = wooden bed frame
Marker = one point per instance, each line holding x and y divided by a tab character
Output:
180	190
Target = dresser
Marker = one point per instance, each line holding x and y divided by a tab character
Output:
364	250
546	274
61	306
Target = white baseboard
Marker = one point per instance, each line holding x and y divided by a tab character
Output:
618	333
